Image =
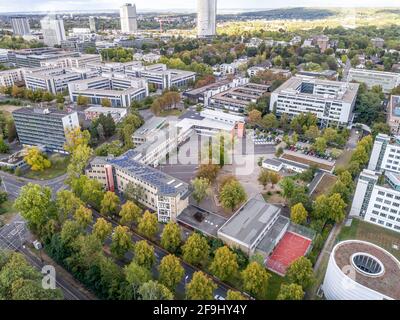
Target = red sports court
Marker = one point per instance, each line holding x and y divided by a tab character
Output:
291	247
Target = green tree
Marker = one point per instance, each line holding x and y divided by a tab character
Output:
312	133
171	236
4	148
264	178
196	249
298	214
109	204
83	216
201	188
102	229
34	203
67	203
301	272
232	194
106	102
171	271
288	187
200	287
208	171
290	292
148	224
82	101
121	241
152	290
235	295
79	160
320	145
129	213
136	276
36	160
224	265
144	254
255	279
270	122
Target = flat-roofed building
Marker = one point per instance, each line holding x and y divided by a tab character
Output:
10	77
33	58
394	114
54	79
121	91
20	26
45	128
80	61
332	102
253	222
160	192
237	99
162	77
117	114
147	130
204	94
386	80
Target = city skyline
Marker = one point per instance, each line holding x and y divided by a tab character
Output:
142	5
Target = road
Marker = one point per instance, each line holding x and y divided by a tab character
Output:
160	253
14	235
13	184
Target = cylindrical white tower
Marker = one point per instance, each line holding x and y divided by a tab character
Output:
206	18
359	270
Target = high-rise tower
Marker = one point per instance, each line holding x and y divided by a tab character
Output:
206	18
128	18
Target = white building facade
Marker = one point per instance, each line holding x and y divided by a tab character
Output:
128	18
206	18
387	80
53	31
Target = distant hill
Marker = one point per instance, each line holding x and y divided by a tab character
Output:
289	13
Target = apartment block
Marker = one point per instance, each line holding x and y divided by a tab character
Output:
387	80
237	99
10	77
45	128
121	91
160	192
54	79
332	102
393	119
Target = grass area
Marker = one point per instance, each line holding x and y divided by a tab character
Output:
7	211
324	186
274	286
344	160
59	164
274	197
172	112
365	231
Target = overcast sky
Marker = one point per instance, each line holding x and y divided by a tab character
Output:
52	5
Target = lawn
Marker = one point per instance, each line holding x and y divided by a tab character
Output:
7	211
344	160
274	286
365	231
324	186
58	167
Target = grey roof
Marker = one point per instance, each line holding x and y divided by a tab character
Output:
165	184
248	224
191	115
293	163
41	111
273	162
268	243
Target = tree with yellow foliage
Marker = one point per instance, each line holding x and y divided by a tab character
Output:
36	160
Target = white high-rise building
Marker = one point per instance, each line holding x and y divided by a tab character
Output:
206	18
20	26
128	18
53	30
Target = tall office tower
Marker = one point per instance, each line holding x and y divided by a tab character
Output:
93	24
206	18
128	18
53	30
20	26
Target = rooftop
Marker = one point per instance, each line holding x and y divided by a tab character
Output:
46	112
155	123
211	86
165	184
250	221
386	283
394	106
342	91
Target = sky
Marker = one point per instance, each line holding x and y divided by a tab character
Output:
58	5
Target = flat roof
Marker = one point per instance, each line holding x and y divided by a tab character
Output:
250	221
386	283
165	184
202	220
41	111
211	86
154	123
345	91
105	109
273	162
